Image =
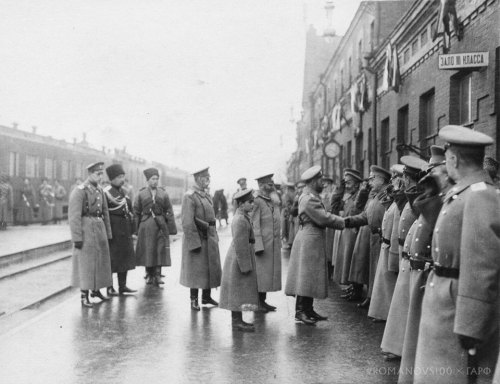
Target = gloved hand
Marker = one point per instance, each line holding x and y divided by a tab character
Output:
196	250
430	183
348	223
467	342
259	253
78	244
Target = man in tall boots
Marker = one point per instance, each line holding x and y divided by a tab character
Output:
154	216
266	224
200	266
307	277
90	231
121	246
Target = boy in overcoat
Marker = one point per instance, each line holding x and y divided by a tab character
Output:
90	231
239	279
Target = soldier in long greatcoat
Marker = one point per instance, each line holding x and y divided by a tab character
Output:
26	203
427	205
348	201
307	273
46	201
367	247
201	267
266	224
6	202
286	227
294	213
59	198
393	339
90	232
459	326
239	279
121	246
386	275
154	212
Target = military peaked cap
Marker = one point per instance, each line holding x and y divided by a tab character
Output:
114	170
150	172
311	173
300	184
241	179
244	195
413	165
266	178
397	169
353	173
437	156
202	172
462	136
94	167
379	171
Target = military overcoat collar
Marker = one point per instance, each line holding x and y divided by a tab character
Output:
478	177
267	198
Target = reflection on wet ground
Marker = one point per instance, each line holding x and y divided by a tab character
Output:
154	337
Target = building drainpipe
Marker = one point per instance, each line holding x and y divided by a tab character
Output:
374	142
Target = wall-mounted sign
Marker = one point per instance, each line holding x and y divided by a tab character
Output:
463	60
331	149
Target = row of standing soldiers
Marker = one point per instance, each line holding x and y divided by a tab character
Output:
46	200
425	241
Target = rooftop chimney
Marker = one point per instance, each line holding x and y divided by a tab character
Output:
14	125
33	129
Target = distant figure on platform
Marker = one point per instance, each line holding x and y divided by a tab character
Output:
242	182
60	196
121	246
46	201
26	204
294	212
201	266
266	224
239	279
288	197
6	202
155	218
307	272
90	231
220	206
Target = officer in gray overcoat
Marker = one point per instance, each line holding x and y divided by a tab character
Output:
307	273
200	266
267	228
90	231
239	279
121	247
154	216
367	248
459	322
392	341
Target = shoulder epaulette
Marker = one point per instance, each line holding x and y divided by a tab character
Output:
481	186
107	188
189	192
81	186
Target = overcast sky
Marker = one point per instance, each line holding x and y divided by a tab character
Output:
189	83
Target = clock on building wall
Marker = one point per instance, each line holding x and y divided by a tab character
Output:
331	149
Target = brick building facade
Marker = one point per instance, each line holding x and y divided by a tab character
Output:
378	125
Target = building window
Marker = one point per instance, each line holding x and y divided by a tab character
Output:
406	55
50	169
335	91
414	46
402	134
427	121
78	170
359	152
32	166
372	36
350	71
13	164
65	170
433	28
465	97
349	154
385	150
360	56
424	38
341	82
370	147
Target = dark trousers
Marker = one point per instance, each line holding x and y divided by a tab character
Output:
153	271
204	295
122	279
303	303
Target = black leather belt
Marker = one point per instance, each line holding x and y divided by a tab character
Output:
251	241
401	241
420	265
445	271
212	223
386	241
405	255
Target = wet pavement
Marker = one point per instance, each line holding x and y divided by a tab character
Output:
154	337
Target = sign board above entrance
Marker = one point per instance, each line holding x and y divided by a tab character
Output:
463	60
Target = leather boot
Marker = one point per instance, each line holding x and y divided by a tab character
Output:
157	278
312	313
300	313
111	291
356	294
263	304
97	293
238	323
194	299
84	298
365	303
207	299
122	284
